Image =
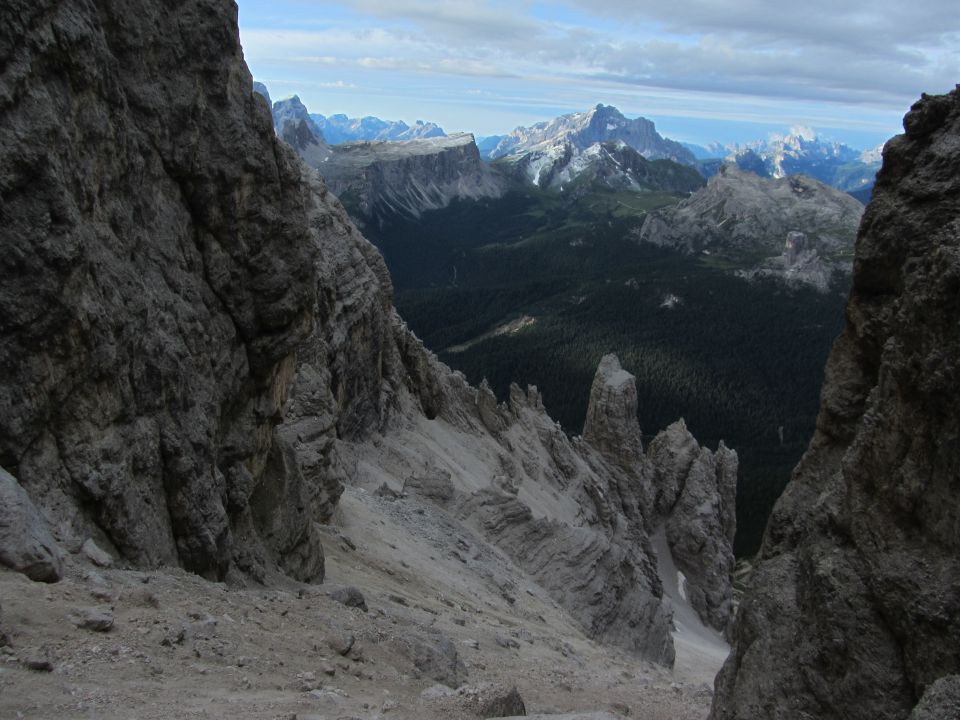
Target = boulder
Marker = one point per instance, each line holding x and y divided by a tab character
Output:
433	655
25	543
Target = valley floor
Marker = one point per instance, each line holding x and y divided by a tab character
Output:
183	647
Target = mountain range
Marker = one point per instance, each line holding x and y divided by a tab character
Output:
339	129
799	152
581	130
613	164
552	153
447	222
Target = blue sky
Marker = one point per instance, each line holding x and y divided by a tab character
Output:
703	70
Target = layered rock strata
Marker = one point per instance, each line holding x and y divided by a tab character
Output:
383	179
853	610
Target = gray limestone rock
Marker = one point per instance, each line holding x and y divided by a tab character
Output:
741	212
193	285
700	529
611	425
940	701
349	596
406	178
695	492
434	484
853	610
379	179
603	123
95	619
261	89
25	543
800	263
96	554
290	116
157	277
606	579
560	164
499	702
434	655
672	453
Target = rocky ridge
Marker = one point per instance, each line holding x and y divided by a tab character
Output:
577	515
158	281
852	607
201	355
563	166
295	127
599	124
801	152
742	213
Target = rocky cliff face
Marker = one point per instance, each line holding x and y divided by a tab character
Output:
291	110
743	211
579	516
296	128
380	179
854	607
677	489
158	280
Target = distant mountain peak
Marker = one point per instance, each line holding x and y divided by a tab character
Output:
340	128
580	130
291	110
803	151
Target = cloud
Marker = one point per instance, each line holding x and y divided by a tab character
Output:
851	54
879	52
876	25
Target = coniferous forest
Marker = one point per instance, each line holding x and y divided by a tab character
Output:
739	361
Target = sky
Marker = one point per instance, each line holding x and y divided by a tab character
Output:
702	70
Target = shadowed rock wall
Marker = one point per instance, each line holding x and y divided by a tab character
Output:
854	607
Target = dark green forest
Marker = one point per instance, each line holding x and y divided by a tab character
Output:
737	360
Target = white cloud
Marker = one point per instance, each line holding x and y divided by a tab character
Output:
851	54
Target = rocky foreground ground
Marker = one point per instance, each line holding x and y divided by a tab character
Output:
379	639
